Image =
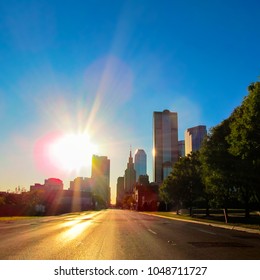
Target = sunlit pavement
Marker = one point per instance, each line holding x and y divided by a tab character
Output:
117	235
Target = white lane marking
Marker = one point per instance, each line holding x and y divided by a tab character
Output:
209	232
152	231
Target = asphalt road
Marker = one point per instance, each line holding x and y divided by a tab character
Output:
122	235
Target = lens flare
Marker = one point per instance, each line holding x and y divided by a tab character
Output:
72	151
60	153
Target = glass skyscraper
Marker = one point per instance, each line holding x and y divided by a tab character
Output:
140	163
100	175
194	137
165	143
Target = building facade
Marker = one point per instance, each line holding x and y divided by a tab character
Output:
165	144
181	148
146	196
82	184
140	163
130	175
194	137
100	176
120	191
51	184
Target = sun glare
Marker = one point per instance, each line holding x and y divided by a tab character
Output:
72	151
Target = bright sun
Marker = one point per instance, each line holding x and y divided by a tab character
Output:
72	151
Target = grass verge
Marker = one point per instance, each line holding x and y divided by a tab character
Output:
16	218
236	221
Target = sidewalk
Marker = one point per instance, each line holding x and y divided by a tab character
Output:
219	225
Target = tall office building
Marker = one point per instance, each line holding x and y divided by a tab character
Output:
130	175
120	191
194	137
165	143
140	163
181	148
101	177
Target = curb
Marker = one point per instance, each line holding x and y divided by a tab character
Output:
230	227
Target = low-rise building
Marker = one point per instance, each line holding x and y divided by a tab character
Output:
51	184
146	196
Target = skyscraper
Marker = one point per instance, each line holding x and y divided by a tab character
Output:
120	191
194	137
130	175
101	177
140	163
181	148
165	143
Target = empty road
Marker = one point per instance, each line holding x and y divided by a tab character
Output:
121	235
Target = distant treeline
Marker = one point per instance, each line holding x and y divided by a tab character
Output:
48	202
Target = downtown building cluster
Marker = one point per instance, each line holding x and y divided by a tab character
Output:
50	198
134	189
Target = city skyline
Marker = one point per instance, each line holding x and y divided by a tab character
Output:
99	71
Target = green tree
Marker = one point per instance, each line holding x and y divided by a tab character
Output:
219	167
29	200
244	141
244	138
184	185
2	200
166	191
187	174
128	201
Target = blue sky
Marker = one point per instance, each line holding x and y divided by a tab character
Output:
105	66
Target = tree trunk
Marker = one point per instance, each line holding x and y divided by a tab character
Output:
247	210
207	209
226	215
177	212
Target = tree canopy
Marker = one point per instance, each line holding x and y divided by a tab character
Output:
244	137
184	185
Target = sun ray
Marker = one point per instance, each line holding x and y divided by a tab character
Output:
72	151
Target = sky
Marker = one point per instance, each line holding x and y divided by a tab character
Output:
75	72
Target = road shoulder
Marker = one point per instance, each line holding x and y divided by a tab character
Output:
219	225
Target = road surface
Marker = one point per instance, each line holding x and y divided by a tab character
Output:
122	235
